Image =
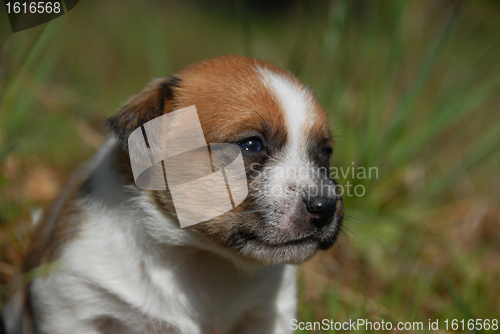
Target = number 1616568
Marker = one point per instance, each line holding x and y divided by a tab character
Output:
33	7
472	324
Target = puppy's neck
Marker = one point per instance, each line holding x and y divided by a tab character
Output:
111	188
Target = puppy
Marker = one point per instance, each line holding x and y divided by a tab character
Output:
122	262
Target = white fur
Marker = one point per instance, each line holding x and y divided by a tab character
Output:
296	103
292	172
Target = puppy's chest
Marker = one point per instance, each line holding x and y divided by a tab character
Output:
185	289
213	285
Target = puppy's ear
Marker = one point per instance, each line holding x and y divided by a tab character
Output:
153	101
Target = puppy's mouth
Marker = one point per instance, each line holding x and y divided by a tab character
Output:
321	242
272	245
297	241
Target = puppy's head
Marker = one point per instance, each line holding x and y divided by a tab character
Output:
293	208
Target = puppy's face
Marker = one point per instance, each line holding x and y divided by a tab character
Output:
292	209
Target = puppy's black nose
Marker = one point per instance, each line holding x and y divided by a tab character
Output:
322	208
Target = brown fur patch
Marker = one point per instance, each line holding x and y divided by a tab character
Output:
58	226
230	99
150	103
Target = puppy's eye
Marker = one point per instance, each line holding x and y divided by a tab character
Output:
251	145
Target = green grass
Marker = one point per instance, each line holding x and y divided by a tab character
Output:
410	87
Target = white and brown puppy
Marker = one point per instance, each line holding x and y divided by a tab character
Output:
125	264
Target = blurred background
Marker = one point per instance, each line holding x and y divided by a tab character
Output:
410	87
